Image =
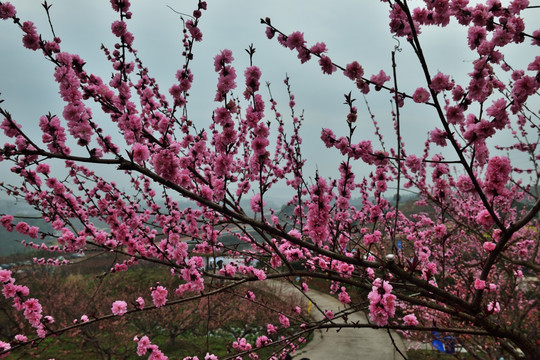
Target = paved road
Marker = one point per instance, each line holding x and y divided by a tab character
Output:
364	343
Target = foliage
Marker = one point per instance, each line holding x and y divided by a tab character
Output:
179	330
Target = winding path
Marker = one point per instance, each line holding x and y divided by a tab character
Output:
363	343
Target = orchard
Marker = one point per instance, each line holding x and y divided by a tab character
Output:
125	169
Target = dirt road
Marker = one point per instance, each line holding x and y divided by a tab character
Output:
365	343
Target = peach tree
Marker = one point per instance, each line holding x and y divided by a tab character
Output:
464	261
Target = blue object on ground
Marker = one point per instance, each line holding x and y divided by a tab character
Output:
446	344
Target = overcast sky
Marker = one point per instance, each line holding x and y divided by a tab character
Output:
351	29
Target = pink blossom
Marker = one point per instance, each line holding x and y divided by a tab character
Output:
53	134
479	284
295	40
438	137
343	296
410	320
22	228
536	39
6	221
159	296
476	35
440	230
242	344
249	295
7	10
176	93
120	5
318	48
119	307
515	26
43	168
457	93
270	32
9	290
31	39
534	65
140	152
143	345
32	305
328	137
501	37
226	82
284	320
140	302
329	314
454	114
11	129
523	88
414	163
494	307
21	338
304	55
354	71
399	23
489	246
228	269
282	39
352	116
441	82
252	75
3	347
372	238
480	14
119	28
326	65
271	329
465	184
497	175
421	95
260	274
381	302
259	145
262	341
379	80
166	163
194	30
517	5
318	216
32	312
484	218
223	58
5	276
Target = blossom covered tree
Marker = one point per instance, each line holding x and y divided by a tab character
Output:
467	267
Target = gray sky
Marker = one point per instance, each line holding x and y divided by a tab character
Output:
351	29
